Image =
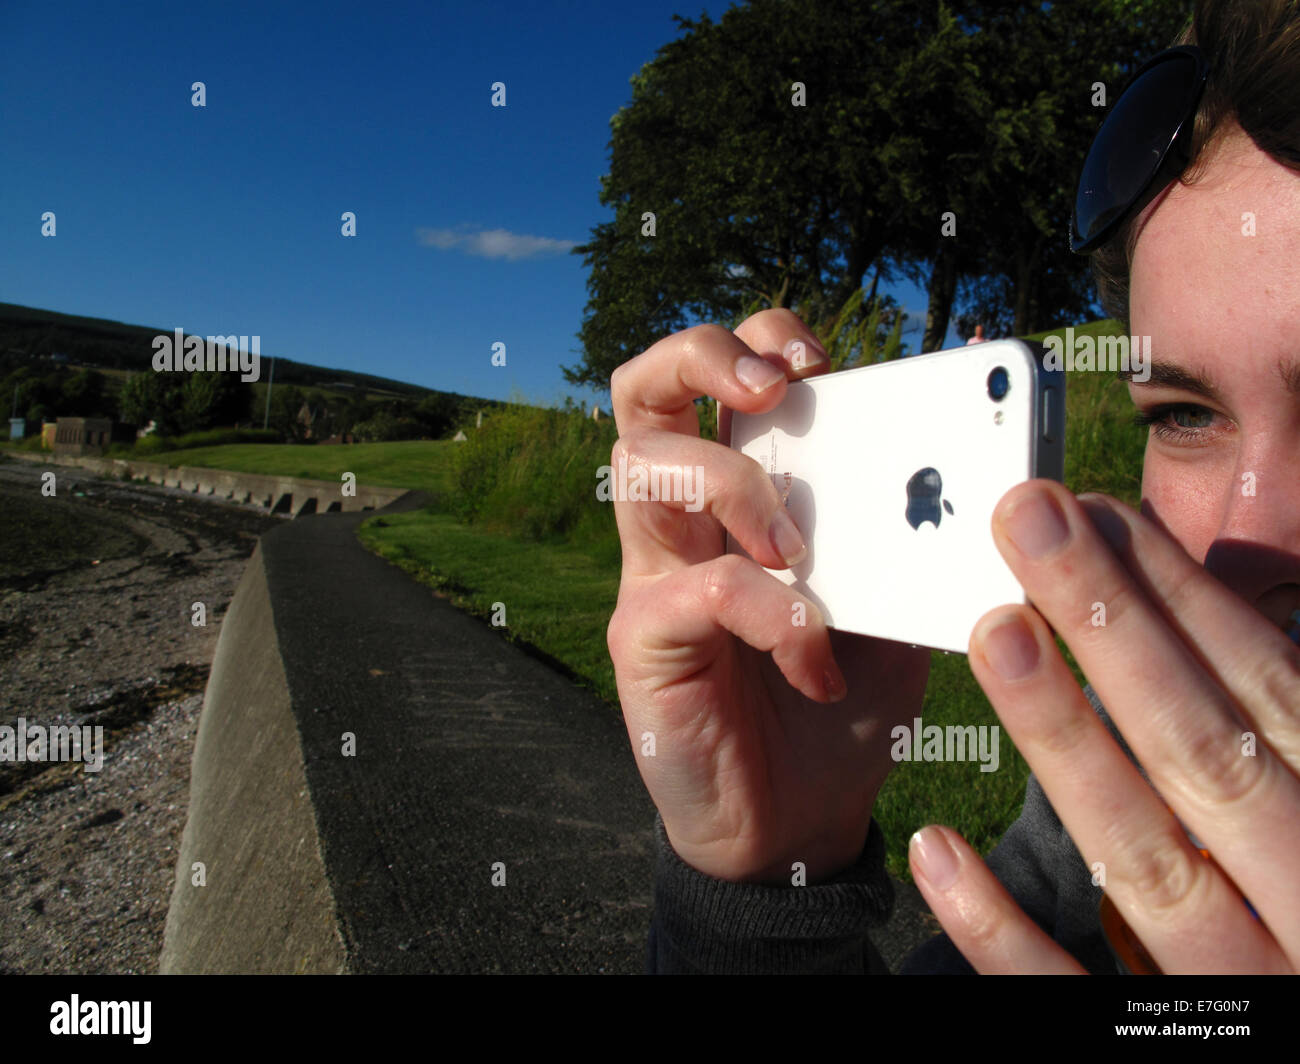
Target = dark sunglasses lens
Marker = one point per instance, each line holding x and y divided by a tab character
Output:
1132	142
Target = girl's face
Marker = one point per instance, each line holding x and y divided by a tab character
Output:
1216	285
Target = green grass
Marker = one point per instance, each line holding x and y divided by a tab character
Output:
1103	448
558	597
423	465
981	805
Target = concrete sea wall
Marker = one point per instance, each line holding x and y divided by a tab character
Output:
291	495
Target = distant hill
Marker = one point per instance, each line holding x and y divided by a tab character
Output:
28	332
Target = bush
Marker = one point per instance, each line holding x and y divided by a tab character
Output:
147	445
155	444
384	427
221	437
534	472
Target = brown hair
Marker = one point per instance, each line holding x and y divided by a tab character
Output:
1253	48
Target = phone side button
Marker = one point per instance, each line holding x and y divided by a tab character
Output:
1046	420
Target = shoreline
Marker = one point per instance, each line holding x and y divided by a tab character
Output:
97	586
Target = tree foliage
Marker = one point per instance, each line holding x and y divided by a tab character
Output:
729	194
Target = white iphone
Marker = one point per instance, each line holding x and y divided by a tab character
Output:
892	472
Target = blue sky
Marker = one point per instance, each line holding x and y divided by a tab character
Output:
226	218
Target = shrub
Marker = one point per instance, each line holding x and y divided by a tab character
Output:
534	471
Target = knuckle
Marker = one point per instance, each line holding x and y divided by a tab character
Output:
614	634
1185	588
720	583
703	335
1217	772
632	445
985	928
1279	682
1163	878
1123	611
776	317
1067	735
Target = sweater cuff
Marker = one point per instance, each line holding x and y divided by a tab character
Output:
703	924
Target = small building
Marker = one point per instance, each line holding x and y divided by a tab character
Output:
17	428
82	435
48	431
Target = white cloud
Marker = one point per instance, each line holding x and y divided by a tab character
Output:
493	243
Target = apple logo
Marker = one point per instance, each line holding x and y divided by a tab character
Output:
923	492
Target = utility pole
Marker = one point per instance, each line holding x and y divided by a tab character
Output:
267	416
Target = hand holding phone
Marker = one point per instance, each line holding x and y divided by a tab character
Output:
892	473
762	742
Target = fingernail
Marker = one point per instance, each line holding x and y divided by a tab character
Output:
786	537
1009	647
1036	525
934	858
801	353
757	374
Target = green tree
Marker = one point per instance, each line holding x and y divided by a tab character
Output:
211	399
1040	67
138	399
83	394
754	196
437	414
975	112
286	402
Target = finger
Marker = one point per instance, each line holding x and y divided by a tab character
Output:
673	633
1181	724
1250	658
674	494
780	333
658	387
770	334
1186	912
981	918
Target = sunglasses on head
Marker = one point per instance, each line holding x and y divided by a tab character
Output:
1143	145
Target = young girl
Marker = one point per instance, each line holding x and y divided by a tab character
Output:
772	740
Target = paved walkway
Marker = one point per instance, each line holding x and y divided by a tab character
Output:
470	754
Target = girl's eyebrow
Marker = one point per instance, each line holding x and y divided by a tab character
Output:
1171	376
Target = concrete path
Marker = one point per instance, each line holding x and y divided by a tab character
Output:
472	758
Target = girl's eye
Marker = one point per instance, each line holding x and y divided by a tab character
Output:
1176	421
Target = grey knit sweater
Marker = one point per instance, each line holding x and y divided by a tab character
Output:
702	924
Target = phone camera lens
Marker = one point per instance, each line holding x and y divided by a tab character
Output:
999	384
